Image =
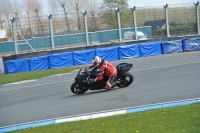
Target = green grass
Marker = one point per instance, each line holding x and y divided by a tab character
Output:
10	78
181	119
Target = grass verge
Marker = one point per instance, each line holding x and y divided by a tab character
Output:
10	78
181	119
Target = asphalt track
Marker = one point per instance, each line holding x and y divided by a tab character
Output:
162	78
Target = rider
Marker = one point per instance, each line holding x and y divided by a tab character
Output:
106	69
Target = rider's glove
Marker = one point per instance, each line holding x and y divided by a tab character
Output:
88	67
92	80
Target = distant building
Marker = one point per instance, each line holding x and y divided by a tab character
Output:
3	35
156	24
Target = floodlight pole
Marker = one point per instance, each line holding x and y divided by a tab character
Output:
166	18
119	23
197	13
135	22
86	27
51	30
14	34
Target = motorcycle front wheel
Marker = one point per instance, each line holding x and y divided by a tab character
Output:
77	89
125	80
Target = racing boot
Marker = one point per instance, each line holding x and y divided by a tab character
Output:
112	81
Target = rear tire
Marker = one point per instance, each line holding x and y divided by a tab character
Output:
77	89
125	80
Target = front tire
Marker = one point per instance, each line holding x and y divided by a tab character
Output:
125	80
77	89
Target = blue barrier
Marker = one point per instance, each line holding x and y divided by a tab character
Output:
172	47
150	49
109	53
131	51
191	44
16	66
83	57
39	63
60	60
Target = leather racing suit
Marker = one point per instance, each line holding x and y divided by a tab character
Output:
106	69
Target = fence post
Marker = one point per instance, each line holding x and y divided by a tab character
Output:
14	34
51	30
166	18
86	28
135	22
119	24
197	13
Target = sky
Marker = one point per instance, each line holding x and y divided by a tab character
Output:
137	3
145	3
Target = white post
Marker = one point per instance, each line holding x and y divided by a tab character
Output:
51	30
14	34
166	18
135	22
86	28
119	24
2	71
197	12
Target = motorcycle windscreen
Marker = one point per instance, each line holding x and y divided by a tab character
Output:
80	74
95	73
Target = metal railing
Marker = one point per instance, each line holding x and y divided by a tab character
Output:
58	31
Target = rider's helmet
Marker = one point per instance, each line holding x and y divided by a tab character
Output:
96	61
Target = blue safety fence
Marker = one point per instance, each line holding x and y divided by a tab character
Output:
130	51
39	63
83	57
16	66
150	49
109	53
61	60
171	47
191	44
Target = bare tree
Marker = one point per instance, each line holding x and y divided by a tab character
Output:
7	9
53	9
35	6
25	6
1	13
17	11
53	6
78	5
65	6
93	8
1	22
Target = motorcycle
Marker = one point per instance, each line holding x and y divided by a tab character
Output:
82	81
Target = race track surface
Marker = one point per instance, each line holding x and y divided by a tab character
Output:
158	79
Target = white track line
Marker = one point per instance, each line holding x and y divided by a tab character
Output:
36	85
73	79
165	66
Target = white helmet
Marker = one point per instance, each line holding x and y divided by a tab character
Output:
96	61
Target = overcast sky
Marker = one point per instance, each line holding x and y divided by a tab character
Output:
137	3
146	3
143	3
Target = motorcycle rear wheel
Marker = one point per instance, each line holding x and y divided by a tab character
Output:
77	89
125	80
